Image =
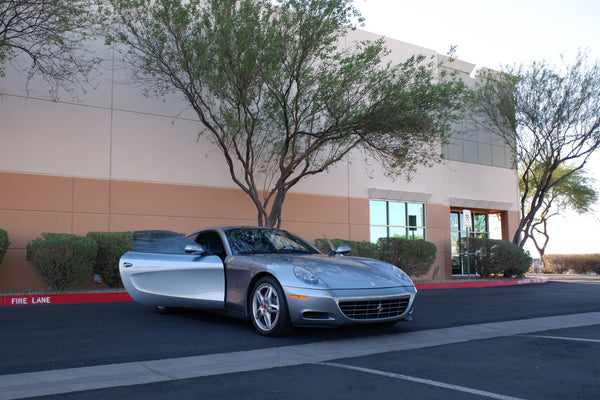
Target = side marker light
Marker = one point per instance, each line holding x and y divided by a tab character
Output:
295	296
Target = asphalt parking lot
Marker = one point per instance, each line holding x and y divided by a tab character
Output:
489	353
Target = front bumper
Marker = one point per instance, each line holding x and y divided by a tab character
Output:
321	307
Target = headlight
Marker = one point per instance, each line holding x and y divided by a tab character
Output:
305	276
401	274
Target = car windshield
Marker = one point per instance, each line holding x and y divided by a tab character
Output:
266	241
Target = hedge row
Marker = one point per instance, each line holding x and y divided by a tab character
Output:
111	246
64	260
498	257
4	243
415	257
577	263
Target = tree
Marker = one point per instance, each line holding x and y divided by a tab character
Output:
572	190
51	33
278	97
550	117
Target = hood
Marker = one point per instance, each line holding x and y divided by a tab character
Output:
341	272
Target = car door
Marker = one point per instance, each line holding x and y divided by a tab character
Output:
169	269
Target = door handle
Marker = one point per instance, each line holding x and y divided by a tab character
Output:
127	265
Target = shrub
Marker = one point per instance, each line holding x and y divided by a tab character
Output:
484	256
357	249
4	243
415	257
578	263
516	261
495	257
63	260
111	246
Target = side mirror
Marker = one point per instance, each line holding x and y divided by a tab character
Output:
341	250
194	249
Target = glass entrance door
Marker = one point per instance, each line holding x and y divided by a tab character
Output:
458	232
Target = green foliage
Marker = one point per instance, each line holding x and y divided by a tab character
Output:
577	263
4	243
550	116
111	246
357	249
52	35
498	257
415	257
278	97
570	188
63	260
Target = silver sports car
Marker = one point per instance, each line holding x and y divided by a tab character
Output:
274	278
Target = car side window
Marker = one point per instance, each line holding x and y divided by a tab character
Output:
212	243
159	241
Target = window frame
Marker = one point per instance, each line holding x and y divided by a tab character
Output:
409	230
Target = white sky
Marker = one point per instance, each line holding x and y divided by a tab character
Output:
495	33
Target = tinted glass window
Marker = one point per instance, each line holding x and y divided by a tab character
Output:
266	241
397	219
160	242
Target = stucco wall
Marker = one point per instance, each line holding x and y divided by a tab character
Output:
112	159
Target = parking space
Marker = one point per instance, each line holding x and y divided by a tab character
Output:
537	342
551	364
540	365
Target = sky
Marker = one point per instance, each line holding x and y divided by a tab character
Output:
493	34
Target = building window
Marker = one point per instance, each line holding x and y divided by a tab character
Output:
397	219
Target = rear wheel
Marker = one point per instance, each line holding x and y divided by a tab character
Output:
268	308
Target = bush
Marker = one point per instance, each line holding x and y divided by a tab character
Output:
111	246
577	263
516	261
415	257
484	257
357	249
63	260
4	243
498	257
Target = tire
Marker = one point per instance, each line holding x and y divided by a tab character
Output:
268	308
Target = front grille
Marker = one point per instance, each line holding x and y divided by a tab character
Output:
374	309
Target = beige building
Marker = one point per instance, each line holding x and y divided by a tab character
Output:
112	159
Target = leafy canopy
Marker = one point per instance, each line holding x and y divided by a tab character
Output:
52	36
282	93
550	116
569	189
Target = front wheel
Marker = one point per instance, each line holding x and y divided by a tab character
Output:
268	308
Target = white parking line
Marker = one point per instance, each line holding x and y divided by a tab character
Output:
40	383
429	382
564	338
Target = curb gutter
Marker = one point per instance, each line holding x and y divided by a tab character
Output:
81	298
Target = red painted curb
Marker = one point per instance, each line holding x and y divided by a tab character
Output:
122	297
478	284
63	299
